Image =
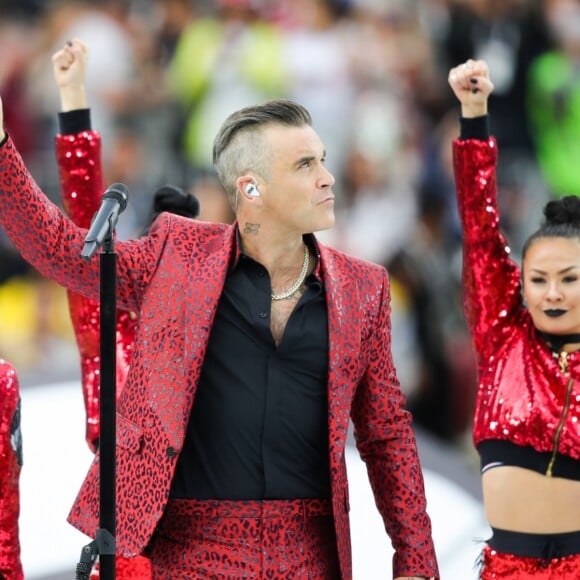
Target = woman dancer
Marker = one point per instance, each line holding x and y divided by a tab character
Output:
526	332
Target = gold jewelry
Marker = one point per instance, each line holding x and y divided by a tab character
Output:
301	277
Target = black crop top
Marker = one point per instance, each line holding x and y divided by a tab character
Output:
494	452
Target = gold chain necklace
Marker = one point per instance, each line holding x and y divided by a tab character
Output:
299	281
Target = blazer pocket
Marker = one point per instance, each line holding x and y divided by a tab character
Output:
129	435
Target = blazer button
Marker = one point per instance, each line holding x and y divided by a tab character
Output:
171	452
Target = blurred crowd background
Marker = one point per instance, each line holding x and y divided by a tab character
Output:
163	74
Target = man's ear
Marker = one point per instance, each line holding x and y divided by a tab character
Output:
248	186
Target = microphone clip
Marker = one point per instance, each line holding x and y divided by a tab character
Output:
105	220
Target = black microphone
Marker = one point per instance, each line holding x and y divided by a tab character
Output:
104	221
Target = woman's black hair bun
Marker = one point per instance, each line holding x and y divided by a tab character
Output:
565	210
173	199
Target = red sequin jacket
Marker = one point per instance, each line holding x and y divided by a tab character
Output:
10	465
82	188
174	278
524	394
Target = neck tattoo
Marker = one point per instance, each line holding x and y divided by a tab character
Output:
300	280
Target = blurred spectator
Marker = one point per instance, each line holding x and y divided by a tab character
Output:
424	268
27	9
168	20
14	65
436	178
395	50
128	159
18	120
221	63
112	80
508	34
428	268
318	59
378	206
554	99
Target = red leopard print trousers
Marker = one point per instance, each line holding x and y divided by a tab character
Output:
273	539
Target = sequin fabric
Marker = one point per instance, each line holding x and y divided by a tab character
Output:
10	465
174	277
80	172
522	390
82	187
497	565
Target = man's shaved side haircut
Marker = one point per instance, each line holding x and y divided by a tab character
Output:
239	146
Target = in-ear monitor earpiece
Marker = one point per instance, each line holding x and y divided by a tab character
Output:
252	190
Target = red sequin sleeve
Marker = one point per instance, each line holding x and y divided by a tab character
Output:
10	465
82	187
491	279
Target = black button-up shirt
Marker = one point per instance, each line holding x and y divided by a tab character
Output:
259	423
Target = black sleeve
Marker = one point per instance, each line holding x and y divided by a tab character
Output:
73	122
475	128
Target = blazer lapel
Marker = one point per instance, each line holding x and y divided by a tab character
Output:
344	345
207	278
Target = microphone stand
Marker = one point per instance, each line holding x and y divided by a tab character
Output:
104	544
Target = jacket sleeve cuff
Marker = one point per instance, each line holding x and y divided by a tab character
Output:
73	122
475	128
